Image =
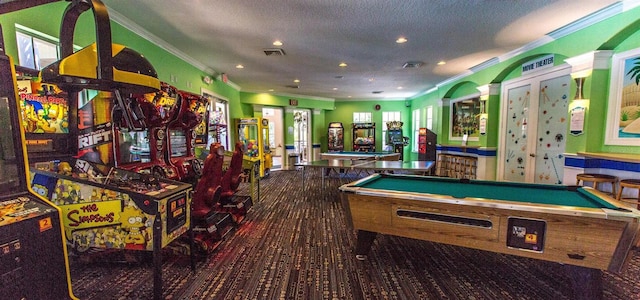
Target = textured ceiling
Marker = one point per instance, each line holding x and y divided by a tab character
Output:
319	34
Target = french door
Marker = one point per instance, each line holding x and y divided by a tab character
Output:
301	134
534	127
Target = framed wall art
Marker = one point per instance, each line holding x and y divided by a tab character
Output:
465	119
623	117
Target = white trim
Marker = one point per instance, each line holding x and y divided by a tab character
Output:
450	104
608	12
583	64
229	82
294	95
205	91
137	29
373	99
615	97
534	78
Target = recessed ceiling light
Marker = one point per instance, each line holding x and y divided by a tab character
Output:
277	43
348	96
296	80
239	67
342	64
400	88
271	90
412	64
335	89
372	79
442	62
401	40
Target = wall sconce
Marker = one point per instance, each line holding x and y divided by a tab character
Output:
579	84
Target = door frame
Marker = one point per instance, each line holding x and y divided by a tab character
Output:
532	136
277	134
307	134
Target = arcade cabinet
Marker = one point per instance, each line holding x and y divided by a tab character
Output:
201	130
33	260
104	206
143	150
48	125
335	135
254	135
181	136
427	140
364	137
395	139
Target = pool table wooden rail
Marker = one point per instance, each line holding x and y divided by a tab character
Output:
593	238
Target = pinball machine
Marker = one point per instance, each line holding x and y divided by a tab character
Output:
31	236
108	207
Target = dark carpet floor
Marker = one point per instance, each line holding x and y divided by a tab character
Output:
295	244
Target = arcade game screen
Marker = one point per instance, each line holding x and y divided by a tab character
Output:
395	136
44	108
9	179
178	143
134	146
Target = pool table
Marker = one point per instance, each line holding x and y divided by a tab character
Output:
356	155
579	227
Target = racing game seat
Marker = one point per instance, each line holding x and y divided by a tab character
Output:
208	189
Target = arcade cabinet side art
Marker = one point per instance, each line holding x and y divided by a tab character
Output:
32	248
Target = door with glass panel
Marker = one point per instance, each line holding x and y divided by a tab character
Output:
533	128
301	134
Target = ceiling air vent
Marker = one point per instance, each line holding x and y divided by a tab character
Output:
292	86
273	52
377	92
412	64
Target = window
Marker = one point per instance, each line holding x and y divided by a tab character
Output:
269	113
362	117
388	116
430	117
218	121
35	52
415	126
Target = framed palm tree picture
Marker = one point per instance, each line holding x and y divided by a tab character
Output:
623	117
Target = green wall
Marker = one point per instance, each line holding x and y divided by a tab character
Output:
344	114
618	33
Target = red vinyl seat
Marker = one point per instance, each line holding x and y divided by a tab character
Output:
208	189
233	175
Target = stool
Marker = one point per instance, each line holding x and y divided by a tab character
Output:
629	183
597	179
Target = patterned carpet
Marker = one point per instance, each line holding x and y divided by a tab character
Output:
295	244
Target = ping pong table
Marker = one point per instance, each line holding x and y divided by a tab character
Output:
356	155
345	165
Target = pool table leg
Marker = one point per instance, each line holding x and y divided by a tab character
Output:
586	282
363	243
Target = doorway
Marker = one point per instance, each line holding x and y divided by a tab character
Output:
276	134
533	127
301	134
